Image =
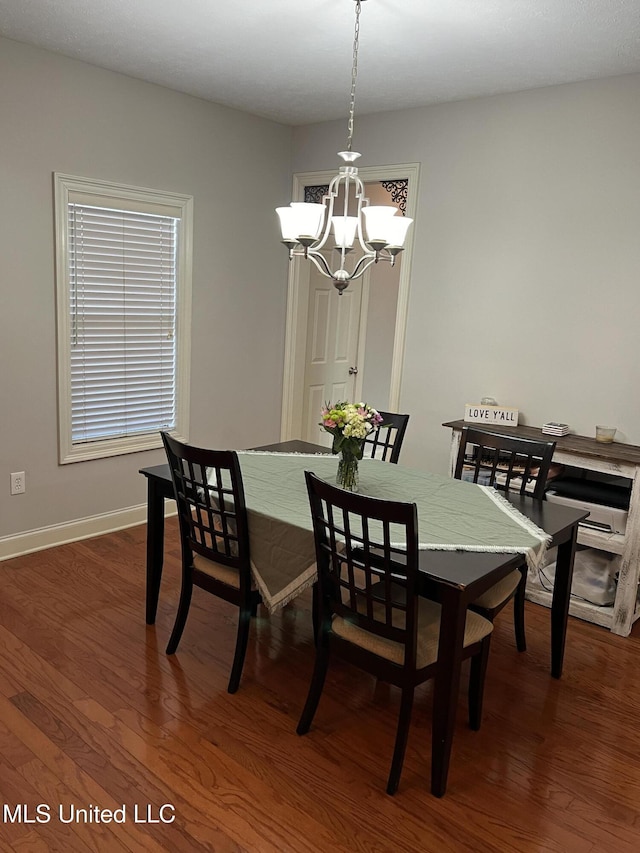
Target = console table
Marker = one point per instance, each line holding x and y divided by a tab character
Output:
621	460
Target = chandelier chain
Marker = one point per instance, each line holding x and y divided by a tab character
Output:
354	76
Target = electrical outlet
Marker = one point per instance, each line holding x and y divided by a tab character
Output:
18	483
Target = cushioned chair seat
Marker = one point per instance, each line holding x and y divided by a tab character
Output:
476	628
499	592
224	574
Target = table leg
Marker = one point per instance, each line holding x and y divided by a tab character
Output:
561	598
155	546
446	686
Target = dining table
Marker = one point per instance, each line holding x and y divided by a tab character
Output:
470	537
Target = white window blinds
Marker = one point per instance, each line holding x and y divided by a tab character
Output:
122	323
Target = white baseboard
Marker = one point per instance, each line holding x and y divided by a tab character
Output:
72	531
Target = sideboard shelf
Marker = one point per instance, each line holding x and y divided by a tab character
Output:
620	460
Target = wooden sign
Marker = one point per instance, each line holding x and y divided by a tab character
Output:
491	415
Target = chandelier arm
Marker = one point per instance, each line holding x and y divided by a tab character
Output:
329	197
322	265
342	250
363	265
320	244
341	282
361	238
363	202
320	262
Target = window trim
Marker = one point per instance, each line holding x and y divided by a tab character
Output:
97	192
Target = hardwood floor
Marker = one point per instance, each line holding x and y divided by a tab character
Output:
93	715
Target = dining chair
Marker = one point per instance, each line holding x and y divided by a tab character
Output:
214	537
508	463
385	442
368	606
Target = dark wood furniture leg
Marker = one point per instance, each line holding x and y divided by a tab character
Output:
155	545
446	687
561	598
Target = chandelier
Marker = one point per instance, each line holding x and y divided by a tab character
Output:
376	230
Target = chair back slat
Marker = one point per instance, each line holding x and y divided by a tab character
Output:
211	505
385	442
367	558
507	462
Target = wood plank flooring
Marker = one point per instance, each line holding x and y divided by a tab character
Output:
94	716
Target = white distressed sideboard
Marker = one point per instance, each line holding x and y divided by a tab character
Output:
620	460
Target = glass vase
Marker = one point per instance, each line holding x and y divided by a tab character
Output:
347	476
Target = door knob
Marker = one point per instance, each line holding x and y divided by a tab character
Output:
353	371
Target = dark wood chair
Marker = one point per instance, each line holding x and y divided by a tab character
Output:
368	608
385	442
508	463
214	537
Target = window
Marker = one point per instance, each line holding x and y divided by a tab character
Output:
124	303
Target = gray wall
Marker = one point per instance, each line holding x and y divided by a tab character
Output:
57	114
526	269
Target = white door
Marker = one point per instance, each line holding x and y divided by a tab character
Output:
332	349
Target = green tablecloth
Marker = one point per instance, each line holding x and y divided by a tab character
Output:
452	515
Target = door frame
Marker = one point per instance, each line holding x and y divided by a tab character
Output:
297	303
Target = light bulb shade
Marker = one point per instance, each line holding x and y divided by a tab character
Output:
308	218
344	230
288	224
376	219
396	230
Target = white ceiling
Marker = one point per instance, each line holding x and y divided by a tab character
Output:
290	60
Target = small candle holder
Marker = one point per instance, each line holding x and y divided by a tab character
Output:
605	434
